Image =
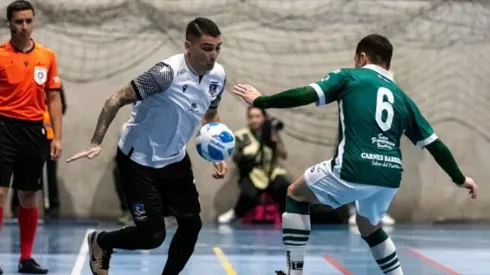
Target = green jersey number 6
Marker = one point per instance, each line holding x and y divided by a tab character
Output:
386	106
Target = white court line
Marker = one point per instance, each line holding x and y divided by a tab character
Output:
78	267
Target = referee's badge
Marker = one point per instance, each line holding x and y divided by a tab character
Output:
40	75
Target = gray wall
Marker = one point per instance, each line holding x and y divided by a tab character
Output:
441	63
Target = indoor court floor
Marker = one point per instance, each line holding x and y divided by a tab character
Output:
258	250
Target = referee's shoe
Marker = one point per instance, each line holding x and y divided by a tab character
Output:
29	266
99	258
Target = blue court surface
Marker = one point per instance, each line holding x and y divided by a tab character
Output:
258	250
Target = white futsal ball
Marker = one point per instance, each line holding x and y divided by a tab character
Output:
215	142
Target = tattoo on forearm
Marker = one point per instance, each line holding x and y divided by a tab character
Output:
112	105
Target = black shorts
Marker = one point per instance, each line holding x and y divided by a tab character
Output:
24	149
155	193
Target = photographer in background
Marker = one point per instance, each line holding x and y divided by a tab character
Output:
258	149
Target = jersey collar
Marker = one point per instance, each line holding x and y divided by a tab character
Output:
14	48
191	70
380	71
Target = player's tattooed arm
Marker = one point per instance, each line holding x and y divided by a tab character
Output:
126	95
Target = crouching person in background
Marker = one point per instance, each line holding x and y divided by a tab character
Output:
257	152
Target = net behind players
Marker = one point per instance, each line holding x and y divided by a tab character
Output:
171	99
374	113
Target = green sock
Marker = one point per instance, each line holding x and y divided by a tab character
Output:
384	252
296	229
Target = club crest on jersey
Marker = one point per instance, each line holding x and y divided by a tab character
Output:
213	87
40	75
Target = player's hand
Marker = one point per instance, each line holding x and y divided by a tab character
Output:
91	152
221	168
246	92
55	150
470	185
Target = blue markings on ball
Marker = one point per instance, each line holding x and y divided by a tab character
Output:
199	149
230	151
226	137
215	153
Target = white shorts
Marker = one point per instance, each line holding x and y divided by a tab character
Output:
372	201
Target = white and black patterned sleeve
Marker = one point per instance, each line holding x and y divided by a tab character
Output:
156	80
217	100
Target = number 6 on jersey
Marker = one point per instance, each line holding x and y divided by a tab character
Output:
382	105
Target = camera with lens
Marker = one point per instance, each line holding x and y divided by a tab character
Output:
271	126
275	124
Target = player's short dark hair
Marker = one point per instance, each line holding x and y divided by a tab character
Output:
377	47
201	26
18	5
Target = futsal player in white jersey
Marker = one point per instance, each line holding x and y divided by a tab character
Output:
170	100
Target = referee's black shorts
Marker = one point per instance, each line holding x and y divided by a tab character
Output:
24	149
155	193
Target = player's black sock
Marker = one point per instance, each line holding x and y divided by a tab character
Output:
131	238
182	245
384	252
295	234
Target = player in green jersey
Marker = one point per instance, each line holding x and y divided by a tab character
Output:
374	113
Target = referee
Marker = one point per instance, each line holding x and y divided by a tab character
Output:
29	78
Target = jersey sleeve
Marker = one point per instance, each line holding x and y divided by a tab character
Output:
53	81
155	80
328	88
419	131
217	100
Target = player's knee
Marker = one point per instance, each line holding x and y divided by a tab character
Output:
153	240
365	227
28	199
294	192
190	225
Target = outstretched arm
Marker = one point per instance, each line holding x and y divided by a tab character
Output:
422	135
156	80
321	92
126	95
288	99
446	161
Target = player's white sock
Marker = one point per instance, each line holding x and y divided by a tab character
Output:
296	229
384	252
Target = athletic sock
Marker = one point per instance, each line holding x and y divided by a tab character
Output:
384	252
27	224
1	216
296	229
